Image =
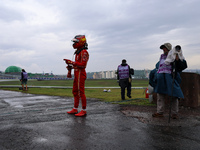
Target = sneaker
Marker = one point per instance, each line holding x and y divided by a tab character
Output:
129	96
174	116
157	115
81	113
73	111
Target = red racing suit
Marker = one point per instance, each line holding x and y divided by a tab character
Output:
80	75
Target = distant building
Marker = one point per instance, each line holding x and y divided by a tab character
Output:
13	70
138	74
107	74
96	76
113	74
146	73
104	75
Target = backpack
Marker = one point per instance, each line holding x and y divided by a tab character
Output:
131	71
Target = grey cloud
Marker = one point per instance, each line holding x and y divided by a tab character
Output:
115	29
9	15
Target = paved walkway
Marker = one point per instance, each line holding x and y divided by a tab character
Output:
37	122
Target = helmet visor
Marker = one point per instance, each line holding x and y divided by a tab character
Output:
75	40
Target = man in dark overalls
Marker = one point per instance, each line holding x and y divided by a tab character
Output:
124	77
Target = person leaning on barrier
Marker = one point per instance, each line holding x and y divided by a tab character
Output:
168	79
124	73
24	79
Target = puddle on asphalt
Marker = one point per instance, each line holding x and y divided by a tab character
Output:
40	140
18	106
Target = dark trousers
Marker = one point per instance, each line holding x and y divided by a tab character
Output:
124	83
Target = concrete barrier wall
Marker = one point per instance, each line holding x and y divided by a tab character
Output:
190	86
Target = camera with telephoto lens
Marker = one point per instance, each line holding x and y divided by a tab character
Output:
178	48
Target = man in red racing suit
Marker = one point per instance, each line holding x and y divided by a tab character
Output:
79	65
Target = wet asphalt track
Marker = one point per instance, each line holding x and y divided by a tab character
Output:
37	122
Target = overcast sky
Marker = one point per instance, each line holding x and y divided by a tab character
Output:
36	34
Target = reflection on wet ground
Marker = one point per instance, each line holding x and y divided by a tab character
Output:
41	122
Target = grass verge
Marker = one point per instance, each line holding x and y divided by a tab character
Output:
138	96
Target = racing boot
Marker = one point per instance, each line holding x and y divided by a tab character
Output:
81	113
73	111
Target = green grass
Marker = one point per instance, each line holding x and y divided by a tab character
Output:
138	96
88	83
41	83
